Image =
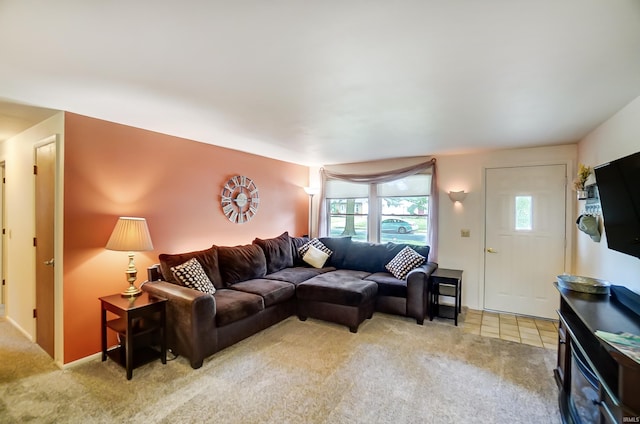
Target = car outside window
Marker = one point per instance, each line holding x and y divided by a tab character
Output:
404	219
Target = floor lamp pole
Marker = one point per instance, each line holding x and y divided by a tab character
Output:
310	213
311	191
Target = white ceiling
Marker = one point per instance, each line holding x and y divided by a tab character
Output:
332	81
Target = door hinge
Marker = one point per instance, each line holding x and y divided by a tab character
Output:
3	282
35	242
4	231
35	169
35	314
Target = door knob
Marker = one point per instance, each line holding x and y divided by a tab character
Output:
491	250
50	262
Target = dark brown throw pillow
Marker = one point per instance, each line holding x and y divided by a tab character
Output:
241	263
277	252
208	259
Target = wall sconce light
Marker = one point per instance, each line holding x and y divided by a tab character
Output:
457	196
130	235
311	191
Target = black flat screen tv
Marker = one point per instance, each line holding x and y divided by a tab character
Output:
619	188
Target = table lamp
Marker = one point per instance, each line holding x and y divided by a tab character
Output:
130	235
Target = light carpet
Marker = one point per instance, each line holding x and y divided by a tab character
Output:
391	371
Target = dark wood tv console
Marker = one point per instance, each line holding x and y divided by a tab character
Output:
617	390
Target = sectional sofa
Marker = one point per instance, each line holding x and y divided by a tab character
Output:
223	294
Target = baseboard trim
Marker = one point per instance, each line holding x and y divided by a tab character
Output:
20	329
81	361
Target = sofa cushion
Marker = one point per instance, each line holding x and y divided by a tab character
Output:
297	243
298	274
337	289
370	257
406	260
277	252
234	305
241	263
339	246
373	257
191	275
207	258
421	250
388	285
272	291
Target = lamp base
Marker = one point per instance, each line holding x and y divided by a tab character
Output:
131	273
132	291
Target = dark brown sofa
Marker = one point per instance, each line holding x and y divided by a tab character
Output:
260	284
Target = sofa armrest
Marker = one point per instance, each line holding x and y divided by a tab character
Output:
418	291
190	320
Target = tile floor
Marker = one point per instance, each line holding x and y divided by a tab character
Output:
515	328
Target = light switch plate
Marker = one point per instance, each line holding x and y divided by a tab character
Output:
465	233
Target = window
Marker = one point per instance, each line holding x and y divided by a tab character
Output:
395	211
524	214
348	205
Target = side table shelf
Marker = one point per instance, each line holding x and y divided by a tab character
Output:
138	320
447	283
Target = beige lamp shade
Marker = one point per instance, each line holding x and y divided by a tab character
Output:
130	235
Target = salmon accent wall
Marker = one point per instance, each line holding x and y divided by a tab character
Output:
113	170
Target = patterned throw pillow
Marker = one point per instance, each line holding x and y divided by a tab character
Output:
315	257
406	260
315	243
193	276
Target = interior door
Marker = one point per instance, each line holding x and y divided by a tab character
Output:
45	206
525	238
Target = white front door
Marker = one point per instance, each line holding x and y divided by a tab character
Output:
525	239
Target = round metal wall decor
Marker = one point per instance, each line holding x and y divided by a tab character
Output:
240	199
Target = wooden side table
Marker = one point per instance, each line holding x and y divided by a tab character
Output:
138	316
445	282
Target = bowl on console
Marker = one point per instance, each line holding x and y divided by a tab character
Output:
583	284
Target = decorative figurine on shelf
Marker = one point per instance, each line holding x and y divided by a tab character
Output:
578	183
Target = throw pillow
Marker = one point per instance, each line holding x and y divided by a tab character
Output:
208	259
339	246
406	260
315	243
193	276
241	263
315	257
277	252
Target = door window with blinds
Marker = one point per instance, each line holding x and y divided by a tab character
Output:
395	211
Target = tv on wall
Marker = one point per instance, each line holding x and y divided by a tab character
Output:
619	187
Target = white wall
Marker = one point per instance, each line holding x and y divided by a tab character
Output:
617	137
466	172
19	156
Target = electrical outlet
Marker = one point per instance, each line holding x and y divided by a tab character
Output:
465	233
